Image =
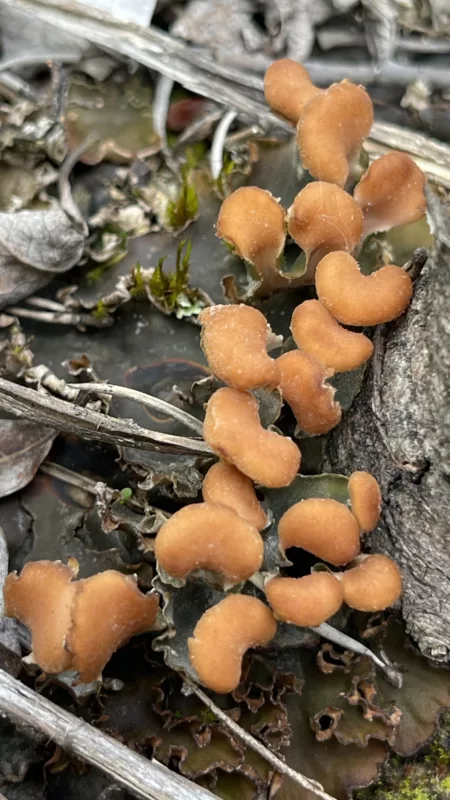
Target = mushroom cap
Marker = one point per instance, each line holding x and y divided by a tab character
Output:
224	484
288	87
357	299
306	601
232	429
234	340
391	193
311	399
323	217
252	221
317	332
331	130
42	597
323	527
373	585
209	536
365	499
222	636
108	610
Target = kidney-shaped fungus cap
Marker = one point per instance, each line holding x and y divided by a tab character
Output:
324	218
224	484
331	130
232	429
77	625
365	499
234	340
108	610
316	332
323	527
252	221
222	636
288	87
373	585
304	388
391	193
42	597
209	536
306	601
357	299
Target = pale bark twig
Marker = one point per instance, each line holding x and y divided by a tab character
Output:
147	400
280	766
83	422
146	779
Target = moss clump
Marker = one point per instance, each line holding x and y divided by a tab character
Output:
424	777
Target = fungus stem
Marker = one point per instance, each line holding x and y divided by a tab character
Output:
258	747
148	400
328	632
218	142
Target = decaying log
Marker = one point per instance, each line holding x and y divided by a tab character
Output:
399	430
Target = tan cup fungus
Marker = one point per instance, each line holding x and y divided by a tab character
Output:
323	527
234	340
77	625
288	87
331	130
373	585
252	221
323	218
209	536
391	193
311	399
365	499
109	609
316	332
223	635
357	299
306	601
42	597
224	484
233	430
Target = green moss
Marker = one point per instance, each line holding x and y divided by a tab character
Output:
171	291
423	777
185	208
100	311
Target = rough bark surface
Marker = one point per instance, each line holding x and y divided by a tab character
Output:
399	430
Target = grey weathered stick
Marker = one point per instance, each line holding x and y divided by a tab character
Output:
145	779
148	400
154	49
63	416
281	767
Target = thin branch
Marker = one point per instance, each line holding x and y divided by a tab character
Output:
68	204
64	416
258	747
146	779
328	632
218	142
61	317
147	400
88	485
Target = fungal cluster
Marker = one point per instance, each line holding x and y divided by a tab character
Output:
224	534
328	224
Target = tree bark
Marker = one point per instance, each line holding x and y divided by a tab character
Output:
399	430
